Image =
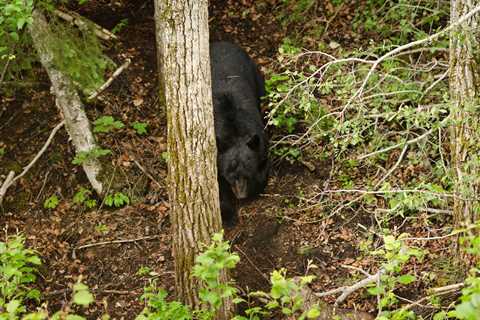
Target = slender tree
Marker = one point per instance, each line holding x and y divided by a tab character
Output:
465	132
67	100
183	49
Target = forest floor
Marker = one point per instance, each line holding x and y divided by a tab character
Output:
279	229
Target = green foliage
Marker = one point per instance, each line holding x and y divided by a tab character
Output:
144	271
119	26
395	254
117	200
85	156
18	266
78	53
208	267
291	154
51	202
393	19
140	127
294	11
81	295
158	308
101	228
83	197
15	15
285	295
106	124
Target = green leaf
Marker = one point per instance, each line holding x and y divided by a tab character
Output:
313	313
406	279
82	295
13	306
51	202
140	127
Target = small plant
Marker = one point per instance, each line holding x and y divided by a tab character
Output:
145	271
208	267
396	253
165	156
85	156
291	154
51	202
17	271
117	200
157	308
102	228
83	197
284	295
119	26
140	127
106	124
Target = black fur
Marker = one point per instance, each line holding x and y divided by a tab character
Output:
237	86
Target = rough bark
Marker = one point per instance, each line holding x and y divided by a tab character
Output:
183	55
465	134
67	100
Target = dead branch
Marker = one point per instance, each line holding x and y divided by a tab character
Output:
110	80
11	179
83	22
146	173
96	244
348	290
328	312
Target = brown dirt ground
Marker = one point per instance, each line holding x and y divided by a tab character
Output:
275	230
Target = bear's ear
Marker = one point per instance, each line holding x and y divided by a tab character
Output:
254	142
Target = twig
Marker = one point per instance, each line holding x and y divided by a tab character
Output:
11	180
408	46
451	287
347	290
6	184
146	173
397	145
110	80
81	22
395	166
250	261
435	292
96	244
43	186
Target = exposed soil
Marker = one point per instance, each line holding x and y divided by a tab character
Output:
279	229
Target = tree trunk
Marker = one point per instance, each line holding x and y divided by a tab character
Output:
465	132
67	100
183	55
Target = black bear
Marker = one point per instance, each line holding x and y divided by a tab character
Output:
237	87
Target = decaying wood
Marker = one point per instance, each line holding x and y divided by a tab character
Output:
83	22
67	100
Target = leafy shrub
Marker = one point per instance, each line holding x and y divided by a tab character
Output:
17	272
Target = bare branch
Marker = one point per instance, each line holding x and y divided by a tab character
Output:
82	22
110	80
11	180
348	290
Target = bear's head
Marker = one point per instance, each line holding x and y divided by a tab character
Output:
242	164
